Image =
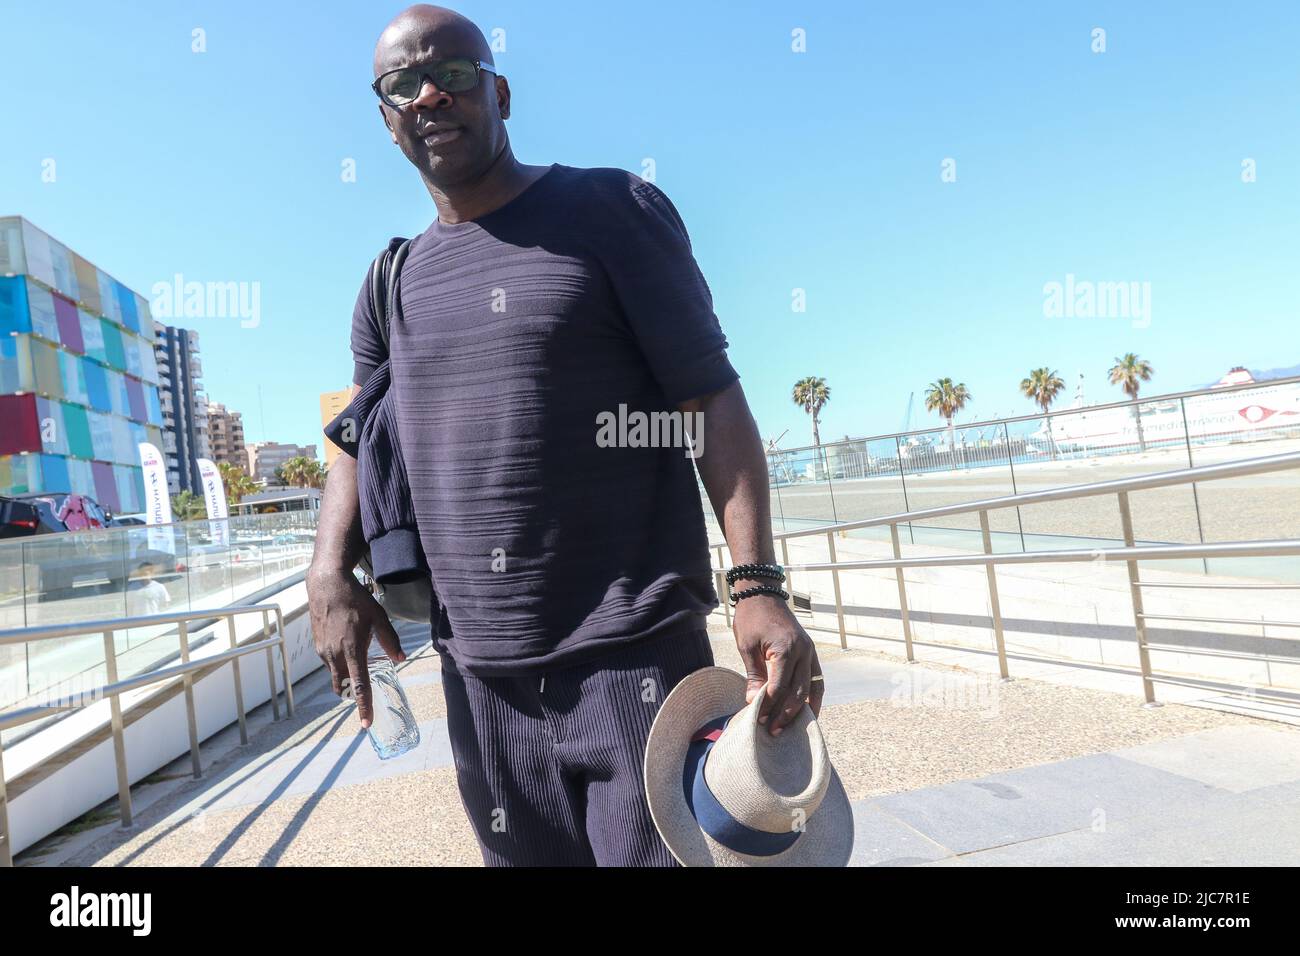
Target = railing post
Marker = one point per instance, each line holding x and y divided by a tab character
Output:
239	684
994	604
1196	498
902	596
835	580
1006	434
1135	591
6	851
270	666
830	485
187	680
284	660
22	556
898	450
119	734
789	575
722	585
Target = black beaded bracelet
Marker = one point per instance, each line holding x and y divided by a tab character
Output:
738	596
774	571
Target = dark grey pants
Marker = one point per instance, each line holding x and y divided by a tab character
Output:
550	765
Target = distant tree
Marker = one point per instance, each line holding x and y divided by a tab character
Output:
187	506
302	472
314	473
1129	373
236	481
1042	387
947	399
812	394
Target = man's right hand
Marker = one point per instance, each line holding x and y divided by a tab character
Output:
343	617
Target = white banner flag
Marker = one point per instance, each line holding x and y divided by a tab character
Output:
157	506
214	496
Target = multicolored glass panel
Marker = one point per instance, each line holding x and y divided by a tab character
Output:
78	378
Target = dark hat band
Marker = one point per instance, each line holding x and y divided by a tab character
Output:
713	818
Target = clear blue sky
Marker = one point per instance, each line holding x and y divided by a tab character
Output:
818	171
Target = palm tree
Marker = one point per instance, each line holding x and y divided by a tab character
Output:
1041	388
236	481
812	394
1129	373
187	506
947	399
302	472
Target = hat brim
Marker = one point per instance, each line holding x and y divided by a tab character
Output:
701	697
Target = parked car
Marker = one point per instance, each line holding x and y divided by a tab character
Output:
69	544
49	513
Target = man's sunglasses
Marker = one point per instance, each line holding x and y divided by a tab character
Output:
401	87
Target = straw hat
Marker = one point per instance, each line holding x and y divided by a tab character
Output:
725	792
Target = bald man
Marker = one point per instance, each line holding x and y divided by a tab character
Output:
570	558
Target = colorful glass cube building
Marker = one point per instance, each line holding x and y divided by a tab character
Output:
78	377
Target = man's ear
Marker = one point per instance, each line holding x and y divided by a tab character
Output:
503	97
384	113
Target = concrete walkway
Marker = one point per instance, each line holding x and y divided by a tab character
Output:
945	766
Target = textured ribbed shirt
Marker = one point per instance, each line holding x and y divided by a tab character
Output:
519	336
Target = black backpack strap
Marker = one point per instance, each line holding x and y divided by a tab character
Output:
384	274
377	298
397	257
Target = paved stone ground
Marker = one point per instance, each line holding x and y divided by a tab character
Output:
945	766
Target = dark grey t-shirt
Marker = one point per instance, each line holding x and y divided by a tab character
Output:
516	333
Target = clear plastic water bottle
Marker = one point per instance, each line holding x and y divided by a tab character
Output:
393	730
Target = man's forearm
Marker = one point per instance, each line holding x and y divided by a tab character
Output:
339	541
734	471
779	657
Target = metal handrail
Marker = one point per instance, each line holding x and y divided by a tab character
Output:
1261	622
25	715
43	632
1159	479
1130	554
185	671
1155	552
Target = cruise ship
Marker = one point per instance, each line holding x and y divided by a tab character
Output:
1267	411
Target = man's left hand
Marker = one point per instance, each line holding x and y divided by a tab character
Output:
780	660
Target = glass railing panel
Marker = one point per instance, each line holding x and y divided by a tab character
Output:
852	480
128	572
13	576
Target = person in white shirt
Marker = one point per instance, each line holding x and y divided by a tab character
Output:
144	595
